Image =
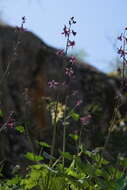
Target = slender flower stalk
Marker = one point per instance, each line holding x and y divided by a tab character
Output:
122	52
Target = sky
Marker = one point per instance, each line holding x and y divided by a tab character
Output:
99	23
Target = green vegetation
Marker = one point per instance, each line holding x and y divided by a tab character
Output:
86	171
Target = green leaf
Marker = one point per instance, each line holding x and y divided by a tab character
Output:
88	153
67	155
66	123
75	116
20	129
99	172
43	144
31	156
36	166
13	181
74	137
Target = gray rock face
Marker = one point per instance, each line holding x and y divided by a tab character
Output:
27	64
